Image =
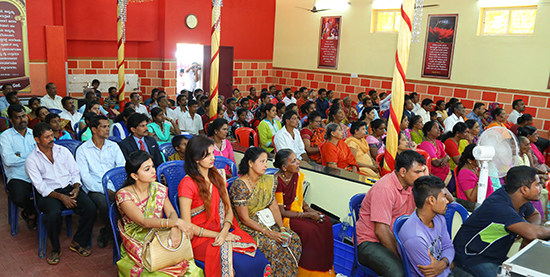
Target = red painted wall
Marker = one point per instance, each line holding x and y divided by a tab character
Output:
153	28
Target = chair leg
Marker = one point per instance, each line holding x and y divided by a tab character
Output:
353	270
42	237
13	211
69	222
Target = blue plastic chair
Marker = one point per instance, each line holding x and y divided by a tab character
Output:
13	210
230	182
167	150
116	232
70	144
271	171
452	208
56	111
43	233
75	127
396	227
114	138
173	173
117	176
354	206
221	162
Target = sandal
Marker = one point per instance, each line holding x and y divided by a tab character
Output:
80	250
54	258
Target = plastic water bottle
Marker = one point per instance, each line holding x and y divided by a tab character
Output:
346	223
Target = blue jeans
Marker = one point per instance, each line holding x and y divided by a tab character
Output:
482	270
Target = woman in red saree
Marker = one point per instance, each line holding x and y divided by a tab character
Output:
204	202
335	152
436	149
314	230
313	135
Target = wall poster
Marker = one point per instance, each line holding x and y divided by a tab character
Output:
14	57
439	47
329	41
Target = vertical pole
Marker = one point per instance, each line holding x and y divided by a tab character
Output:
121	20
215	58
398	83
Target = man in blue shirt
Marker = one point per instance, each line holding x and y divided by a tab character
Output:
322	103
16	144
6	88
485	238
476	113
94	158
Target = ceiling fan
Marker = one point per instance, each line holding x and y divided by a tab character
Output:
314	9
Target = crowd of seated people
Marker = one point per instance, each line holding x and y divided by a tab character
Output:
347	138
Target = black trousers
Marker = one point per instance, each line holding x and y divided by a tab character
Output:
101	204
52	208
20	193
380	259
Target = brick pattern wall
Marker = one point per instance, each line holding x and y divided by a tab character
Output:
152	73
247	74
537	103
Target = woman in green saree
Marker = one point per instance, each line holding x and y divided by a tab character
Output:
254	191
141	202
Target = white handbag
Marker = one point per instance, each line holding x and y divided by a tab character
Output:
266	217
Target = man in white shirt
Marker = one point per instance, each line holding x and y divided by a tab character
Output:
6	88
140	108
51	100
289	98
17	142
69	111
94	158
289	136
190	121
194	77
415	100
164	105
182	106
55	176
458	116
519	108
424	112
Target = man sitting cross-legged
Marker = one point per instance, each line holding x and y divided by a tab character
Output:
94	158
427	243
55	176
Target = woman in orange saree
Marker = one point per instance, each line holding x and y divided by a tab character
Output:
205	203
335	152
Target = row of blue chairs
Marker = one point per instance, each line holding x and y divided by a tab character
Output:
355	206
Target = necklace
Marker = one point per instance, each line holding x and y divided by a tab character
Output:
137	195
250	182
285	179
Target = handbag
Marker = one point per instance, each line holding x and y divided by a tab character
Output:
266	217
156	254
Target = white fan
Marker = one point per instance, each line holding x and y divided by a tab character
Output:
497	150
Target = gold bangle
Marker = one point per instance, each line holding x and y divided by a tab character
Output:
200	234
227	221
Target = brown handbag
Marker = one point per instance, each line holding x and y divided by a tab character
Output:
156	254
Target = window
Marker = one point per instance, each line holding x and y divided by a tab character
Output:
508	20
386	21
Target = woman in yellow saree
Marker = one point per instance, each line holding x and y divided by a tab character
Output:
360	149
254	192
141	203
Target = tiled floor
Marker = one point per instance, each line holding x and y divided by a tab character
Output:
19	255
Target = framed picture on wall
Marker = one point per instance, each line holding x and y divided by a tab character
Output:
439	46
329	39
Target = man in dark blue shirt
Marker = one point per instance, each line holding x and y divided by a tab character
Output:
322	103
485	238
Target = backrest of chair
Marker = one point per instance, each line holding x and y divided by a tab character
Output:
379	158
114	138
56	111
4	124
354	207
4	177
167	149
427	157
452	208
243	136
221	162
458	194
70	144
251	104
173	173
75	127
117	176
396	227
113	221
230	182
271	171
273	143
